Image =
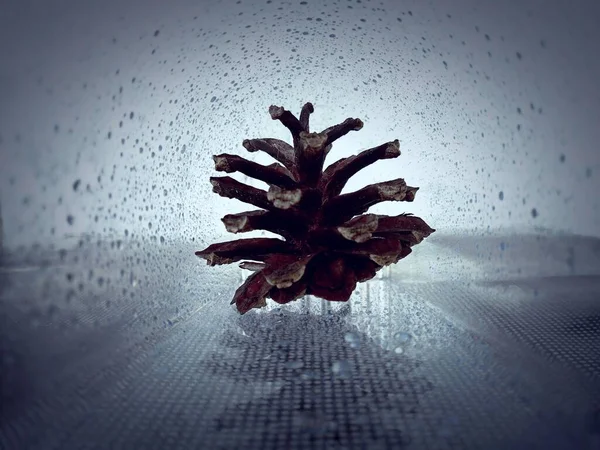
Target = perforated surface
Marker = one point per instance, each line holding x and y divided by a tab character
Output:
533	313
403	365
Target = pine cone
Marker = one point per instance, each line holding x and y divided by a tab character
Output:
330	245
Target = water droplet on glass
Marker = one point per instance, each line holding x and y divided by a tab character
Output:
341	368
402	337
309	375
294	365
352	339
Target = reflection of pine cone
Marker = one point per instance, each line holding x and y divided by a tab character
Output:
326	250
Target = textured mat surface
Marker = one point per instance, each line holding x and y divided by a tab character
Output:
444	365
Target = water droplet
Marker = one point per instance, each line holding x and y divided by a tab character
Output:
341	368
309	375
294	365
402	337
399	350
353	339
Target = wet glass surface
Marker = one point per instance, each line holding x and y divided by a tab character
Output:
437	363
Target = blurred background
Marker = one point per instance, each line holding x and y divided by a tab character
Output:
114	335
